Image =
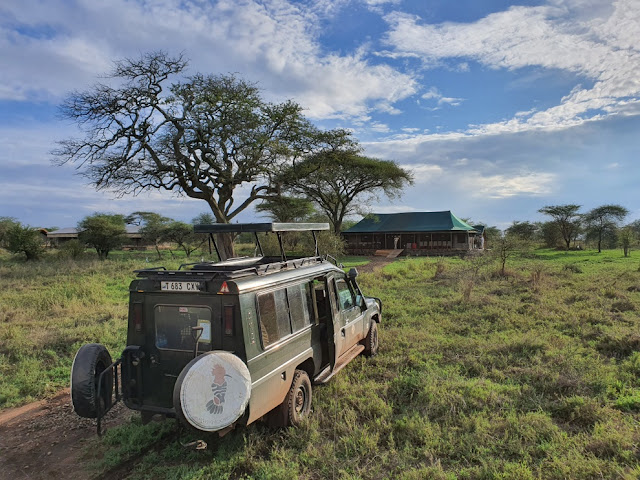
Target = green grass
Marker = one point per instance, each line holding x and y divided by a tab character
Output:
530	376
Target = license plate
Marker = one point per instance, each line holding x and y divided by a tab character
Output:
180	286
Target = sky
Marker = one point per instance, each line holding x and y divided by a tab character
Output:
497	107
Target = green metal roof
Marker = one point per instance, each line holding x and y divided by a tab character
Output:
410	222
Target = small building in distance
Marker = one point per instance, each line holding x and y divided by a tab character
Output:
413	233
59	237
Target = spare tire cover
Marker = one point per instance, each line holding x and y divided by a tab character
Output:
212	391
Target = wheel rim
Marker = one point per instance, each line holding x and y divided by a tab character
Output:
300	400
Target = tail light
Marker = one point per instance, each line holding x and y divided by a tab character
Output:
229	311
137	317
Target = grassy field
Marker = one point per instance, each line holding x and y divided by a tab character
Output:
534	375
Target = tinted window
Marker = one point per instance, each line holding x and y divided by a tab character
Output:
274	317
173	325
299	300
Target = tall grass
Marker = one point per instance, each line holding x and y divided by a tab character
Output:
532	375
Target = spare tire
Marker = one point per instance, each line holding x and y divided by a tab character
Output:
212	391
90	361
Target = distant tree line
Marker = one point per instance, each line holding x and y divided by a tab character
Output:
568	227
107	232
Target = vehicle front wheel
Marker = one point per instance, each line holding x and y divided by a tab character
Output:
90	361
298	401
371	340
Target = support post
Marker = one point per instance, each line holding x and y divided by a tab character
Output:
282	253
258	244
215	245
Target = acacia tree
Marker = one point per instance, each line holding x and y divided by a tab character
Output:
203	136
153	227
604	220
567	218
103	232
182	234
334	179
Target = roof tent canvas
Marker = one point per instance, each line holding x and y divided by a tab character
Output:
410	222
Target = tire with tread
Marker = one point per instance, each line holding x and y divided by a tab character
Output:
91	360
298	401
371	343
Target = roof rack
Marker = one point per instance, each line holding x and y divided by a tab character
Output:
229	270
275	227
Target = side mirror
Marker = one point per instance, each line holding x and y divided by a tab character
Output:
353	273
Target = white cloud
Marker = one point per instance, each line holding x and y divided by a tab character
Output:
379	127
434	93
49	49
597	43
423	173
393	209
504	186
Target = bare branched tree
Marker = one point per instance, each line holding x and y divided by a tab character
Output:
203	136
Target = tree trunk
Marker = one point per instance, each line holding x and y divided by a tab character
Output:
225	245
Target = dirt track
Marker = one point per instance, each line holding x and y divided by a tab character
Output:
46	440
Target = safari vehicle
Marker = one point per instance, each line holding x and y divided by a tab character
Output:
231	342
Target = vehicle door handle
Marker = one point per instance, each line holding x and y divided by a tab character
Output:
343	332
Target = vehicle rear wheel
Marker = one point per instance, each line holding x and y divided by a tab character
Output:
371	340
91	360
298	400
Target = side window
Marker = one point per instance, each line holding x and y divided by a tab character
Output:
274	317
299	300
345	296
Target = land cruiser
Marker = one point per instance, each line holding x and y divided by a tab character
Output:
231	342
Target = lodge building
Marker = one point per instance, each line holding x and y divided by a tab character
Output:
413	233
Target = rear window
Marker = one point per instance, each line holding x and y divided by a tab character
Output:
174	326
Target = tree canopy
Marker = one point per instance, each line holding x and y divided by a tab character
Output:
567	218
333	179
525	230
203	136
153	227
286	209
604	220
102	231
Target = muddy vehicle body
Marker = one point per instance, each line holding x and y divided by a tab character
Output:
231	342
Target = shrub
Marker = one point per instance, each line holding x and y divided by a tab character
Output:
440	267
572	267
72	249
24	239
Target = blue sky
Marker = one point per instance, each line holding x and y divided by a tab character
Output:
498	107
